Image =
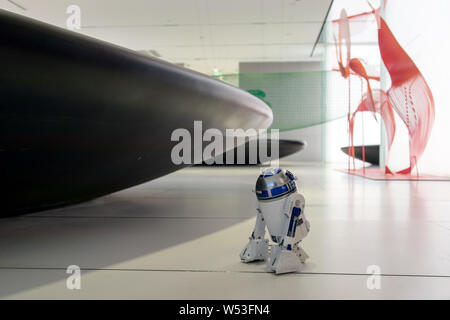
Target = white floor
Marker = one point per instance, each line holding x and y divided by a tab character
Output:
179	237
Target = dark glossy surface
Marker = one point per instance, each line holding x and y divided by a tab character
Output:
286	148
372	153
81	118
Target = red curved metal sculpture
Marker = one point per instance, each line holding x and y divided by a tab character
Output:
409	95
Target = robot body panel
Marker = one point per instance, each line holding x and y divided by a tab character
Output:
271	212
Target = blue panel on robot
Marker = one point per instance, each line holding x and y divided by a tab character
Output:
264	194
293	223
279	190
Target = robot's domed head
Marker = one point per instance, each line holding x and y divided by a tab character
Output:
274	183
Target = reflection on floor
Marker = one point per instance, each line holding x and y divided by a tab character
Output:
179	237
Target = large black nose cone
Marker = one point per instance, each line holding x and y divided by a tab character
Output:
80	118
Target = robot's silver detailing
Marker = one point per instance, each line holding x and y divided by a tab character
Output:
281	208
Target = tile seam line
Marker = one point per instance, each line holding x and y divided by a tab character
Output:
226	271
132	217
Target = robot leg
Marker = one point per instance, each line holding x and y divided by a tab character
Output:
288	256
284	260
301	232
257	247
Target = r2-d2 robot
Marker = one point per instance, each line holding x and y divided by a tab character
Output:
281	208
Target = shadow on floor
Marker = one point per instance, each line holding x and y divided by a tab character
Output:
104	232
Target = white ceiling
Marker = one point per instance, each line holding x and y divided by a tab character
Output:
202	34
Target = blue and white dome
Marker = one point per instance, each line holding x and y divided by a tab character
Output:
274	183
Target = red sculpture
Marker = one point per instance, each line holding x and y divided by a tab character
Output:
409	94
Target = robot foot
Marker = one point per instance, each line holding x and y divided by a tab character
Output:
301	254
255	250
285	261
